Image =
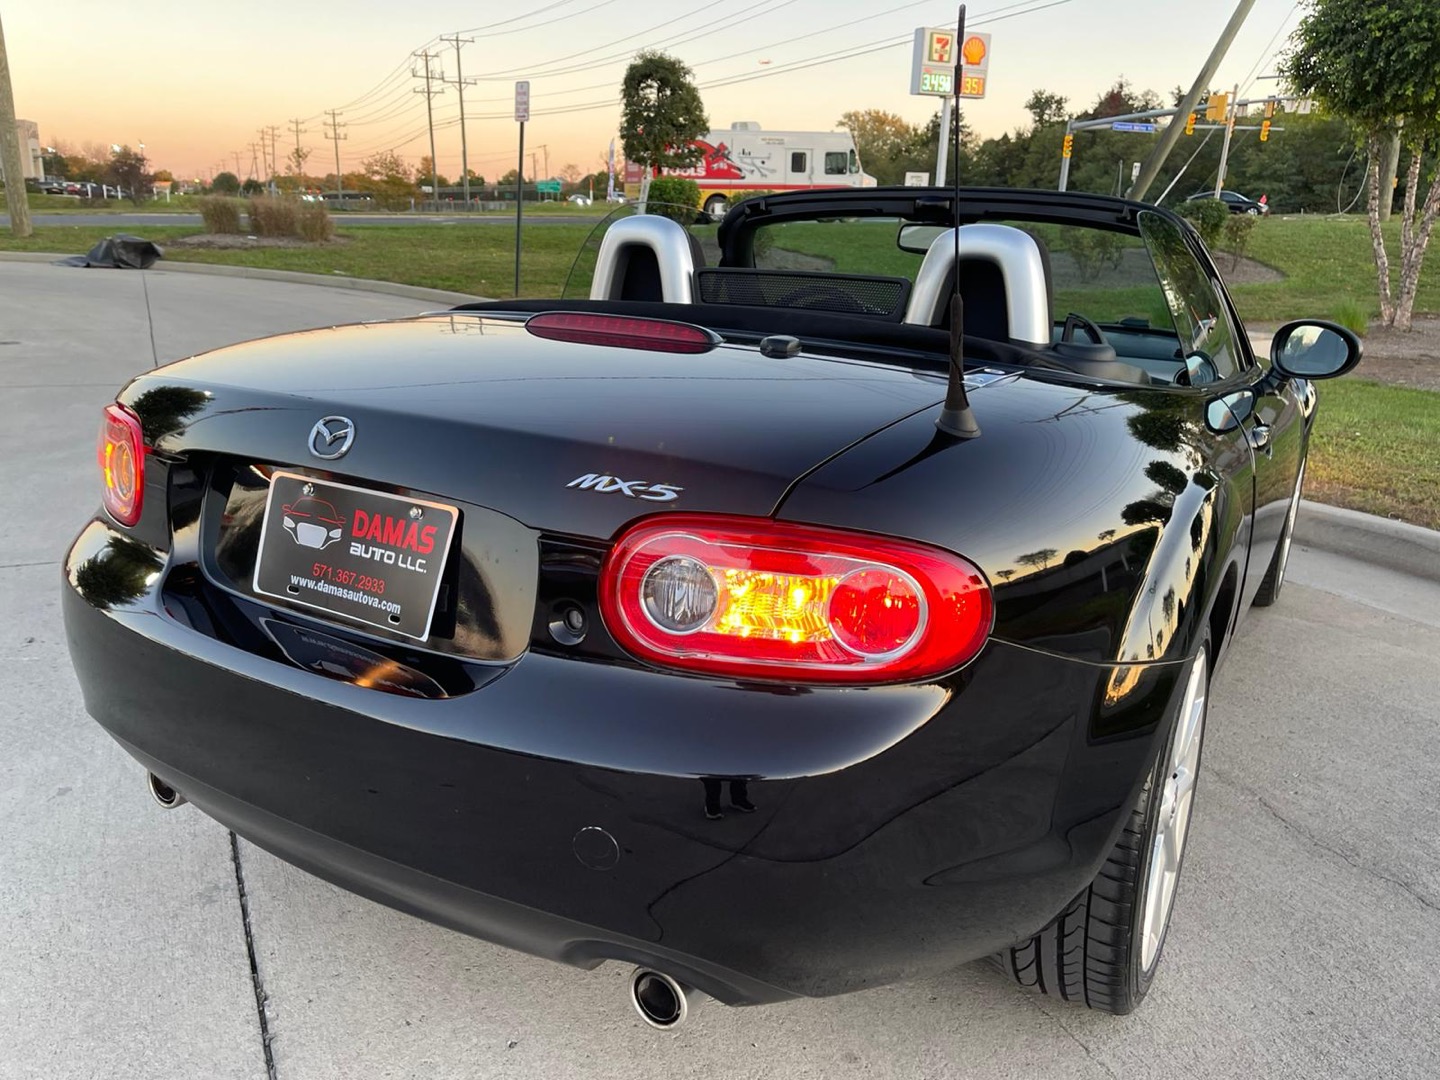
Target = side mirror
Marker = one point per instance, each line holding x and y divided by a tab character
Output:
1314	350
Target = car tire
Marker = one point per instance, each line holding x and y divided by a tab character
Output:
717	205
1253	211
1103	950
1274	579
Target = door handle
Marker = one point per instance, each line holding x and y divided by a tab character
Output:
1259	437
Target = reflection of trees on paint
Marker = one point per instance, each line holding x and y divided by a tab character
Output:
1108	534
1038	559
118	573
165	409
1158	505
1005	574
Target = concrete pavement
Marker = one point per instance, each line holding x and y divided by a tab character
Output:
1307	930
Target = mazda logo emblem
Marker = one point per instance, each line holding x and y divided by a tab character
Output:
331	437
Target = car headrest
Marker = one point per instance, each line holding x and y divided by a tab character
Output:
647	258
1004	280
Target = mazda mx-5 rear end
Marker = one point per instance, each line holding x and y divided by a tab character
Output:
507	626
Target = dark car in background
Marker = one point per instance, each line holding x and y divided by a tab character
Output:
1235	202
776	629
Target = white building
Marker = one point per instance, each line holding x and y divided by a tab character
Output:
32	165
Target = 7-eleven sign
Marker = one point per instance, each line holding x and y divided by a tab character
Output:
940	47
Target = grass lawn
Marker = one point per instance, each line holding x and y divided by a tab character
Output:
1325	261
1376	448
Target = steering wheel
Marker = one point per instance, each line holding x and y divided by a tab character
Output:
1075	322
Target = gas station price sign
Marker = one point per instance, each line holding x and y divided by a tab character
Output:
932	71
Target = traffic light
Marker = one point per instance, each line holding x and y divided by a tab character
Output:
1190	124
1264	130
1217	106
1068	146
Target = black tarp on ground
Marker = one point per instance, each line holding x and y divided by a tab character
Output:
119	253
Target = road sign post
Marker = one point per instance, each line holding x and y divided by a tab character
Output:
522	113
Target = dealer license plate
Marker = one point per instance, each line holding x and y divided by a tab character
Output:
348	551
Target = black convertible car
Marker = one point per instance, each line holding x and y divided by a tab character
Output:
763	616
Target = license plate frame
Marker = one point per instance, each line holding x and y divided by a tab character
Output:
354	553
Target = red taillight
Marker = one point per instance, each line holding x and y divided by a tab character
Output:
656	335
121	453
758	599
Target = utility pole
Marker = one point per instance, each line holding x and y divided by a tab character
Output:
255	152
10	162
1229	136
460	82
332	132
264	176
430	95
236	155
1171	135
274	132
299	153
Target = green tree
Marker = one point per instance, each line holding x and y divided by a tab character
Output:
387	179
885	142
225	183
1047	108
661	115
56	165
1377	63
128	172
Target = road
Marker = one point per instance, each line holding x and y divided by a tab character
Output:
140	221
1306	931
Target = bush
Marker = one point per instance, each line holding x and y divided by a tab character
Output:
316	224
220	215
1238	228
676	198
1209	216
274	215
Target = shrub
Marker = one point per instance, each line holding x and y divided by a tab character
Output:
1353	315
1238	228
1209	216
674	198
220	214
316	224
274	215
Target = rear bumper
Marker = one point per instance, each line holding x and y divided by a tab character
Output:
558	808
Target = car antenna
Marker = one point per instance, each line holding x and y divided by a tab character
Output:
956	419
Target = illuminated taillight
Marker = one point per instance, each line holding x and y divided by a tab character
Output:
758	599
121	453
622	331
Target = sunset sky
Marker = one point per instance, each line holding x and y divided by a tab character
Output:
195	83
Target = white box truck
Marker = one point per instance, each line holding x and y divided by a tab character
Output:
745	157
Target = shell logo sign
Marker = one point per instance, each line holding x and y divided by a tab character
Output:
933	69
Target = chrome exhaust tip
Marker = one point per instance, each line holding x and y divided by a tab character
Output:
163	793
661	1001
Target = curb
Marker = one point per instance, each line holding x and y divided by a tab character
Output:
293	277
1379	541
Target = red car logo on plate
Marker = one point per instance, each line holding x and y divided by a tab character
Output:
313	523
